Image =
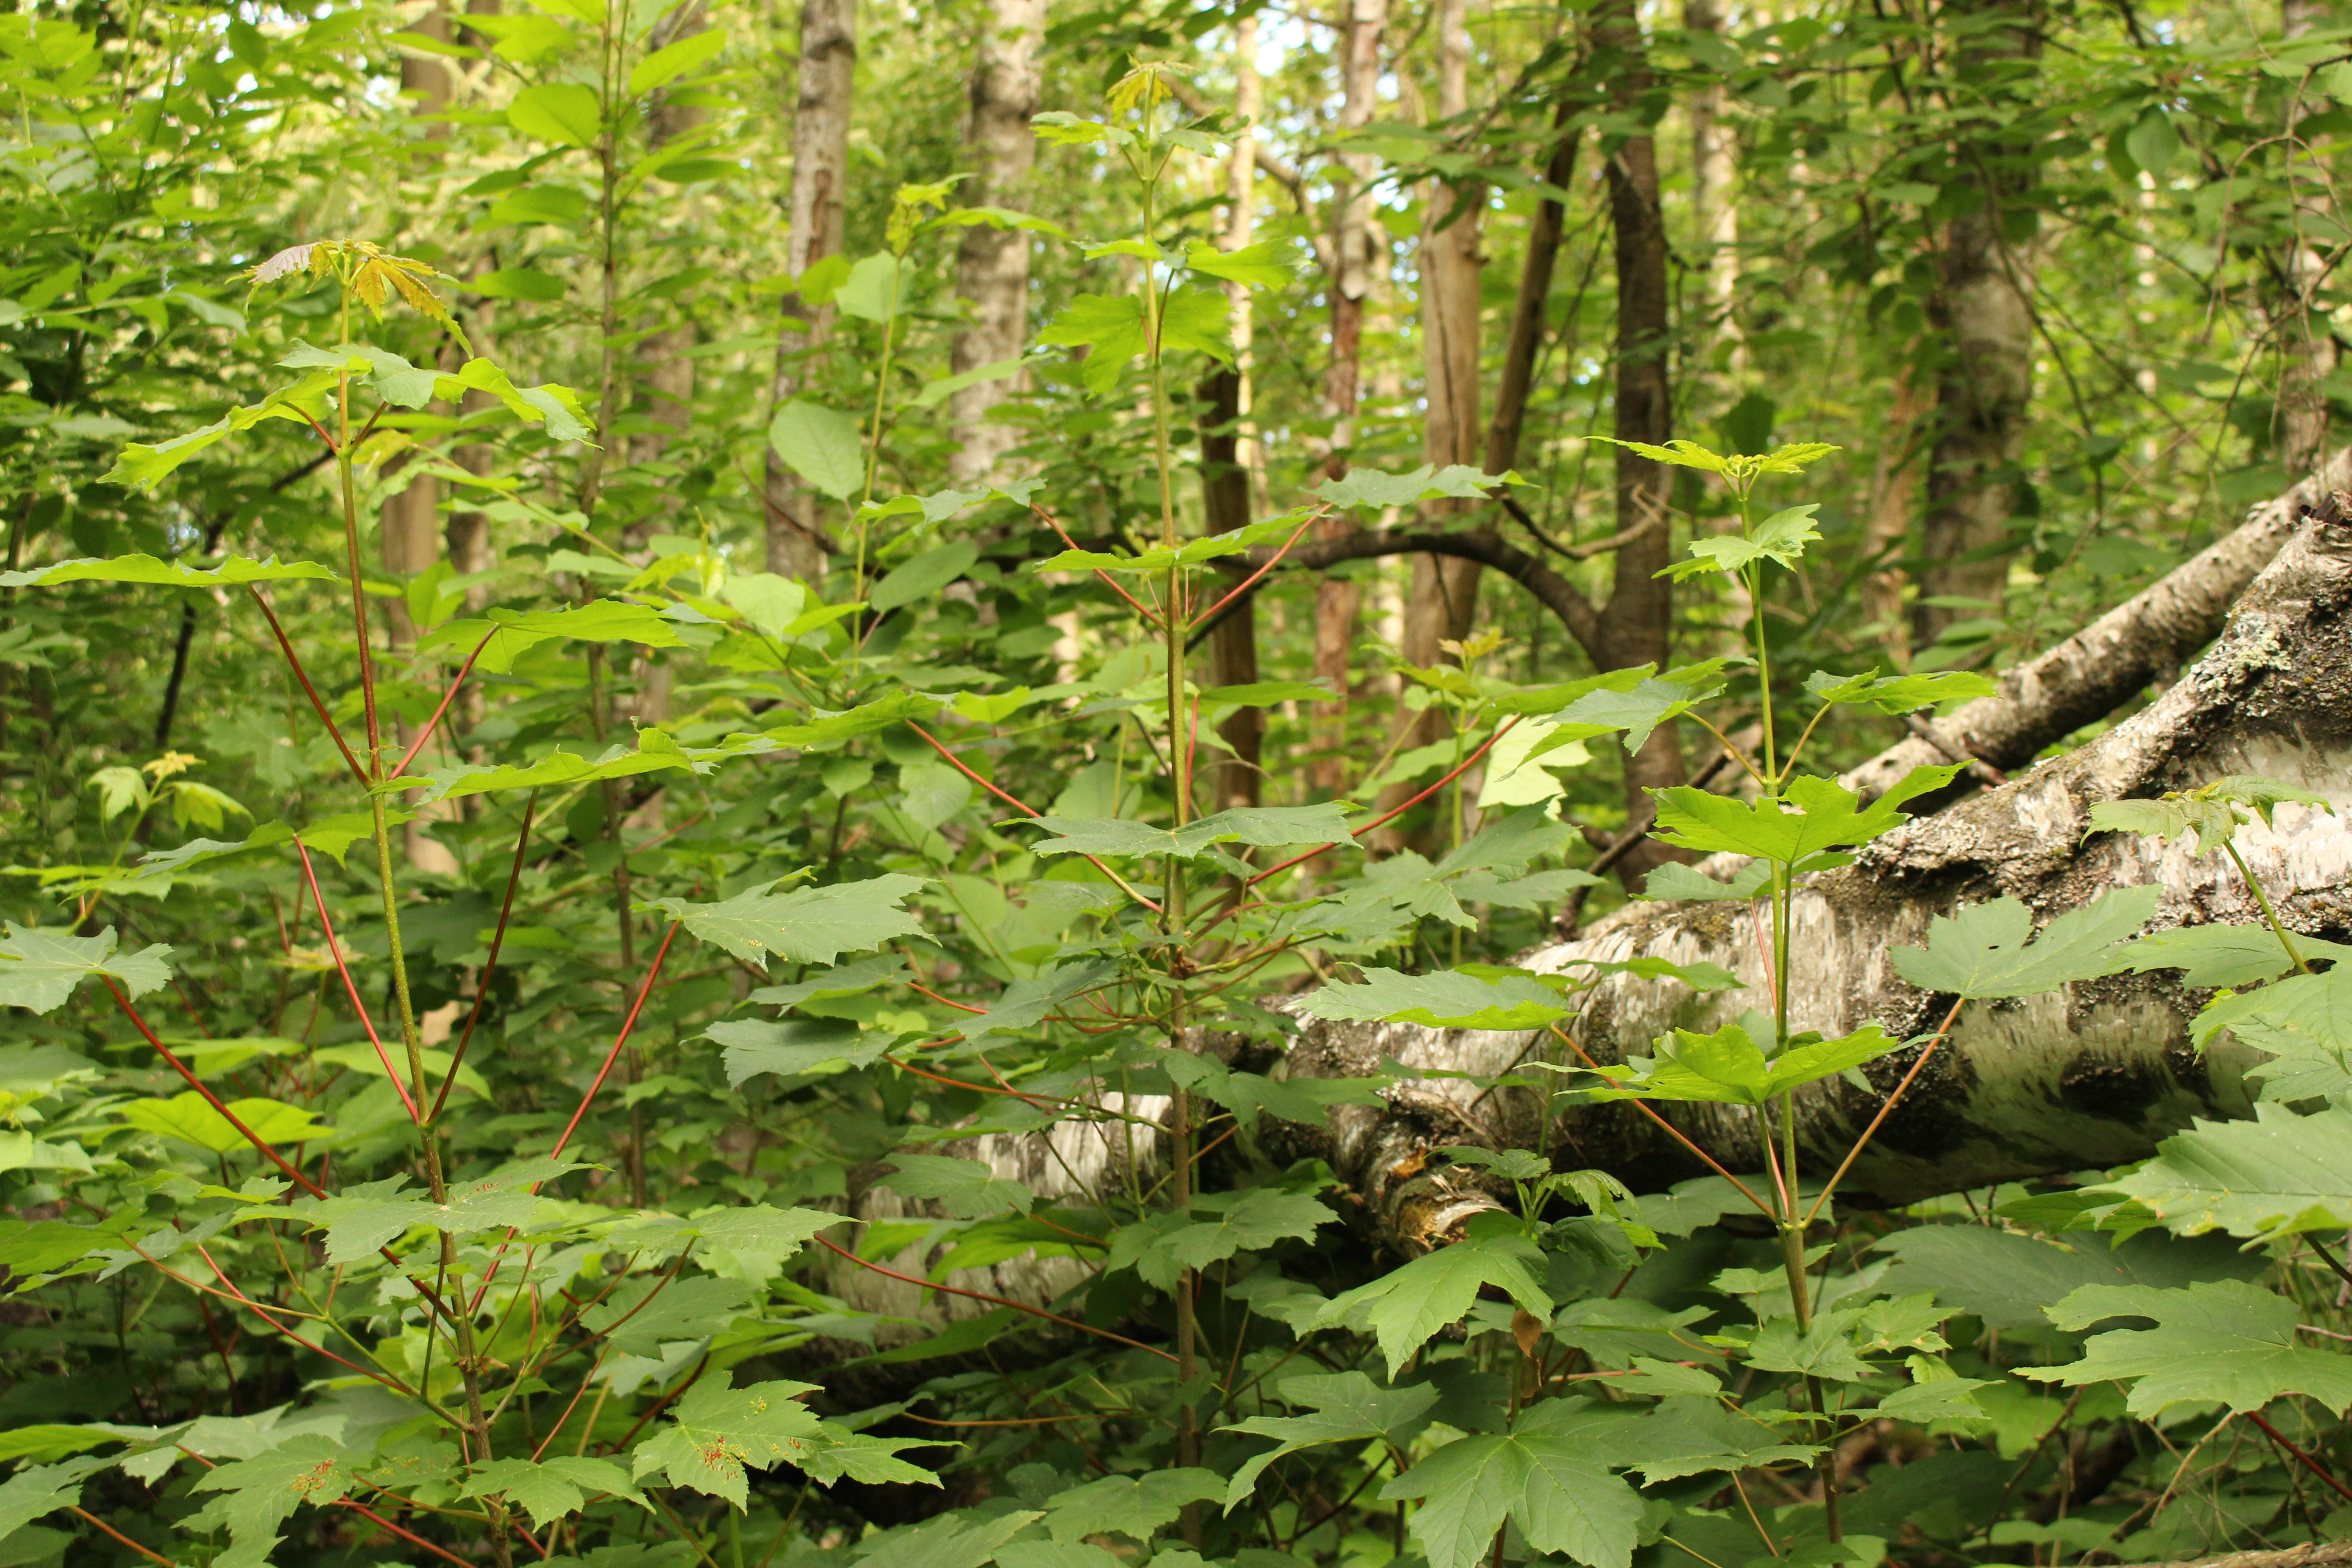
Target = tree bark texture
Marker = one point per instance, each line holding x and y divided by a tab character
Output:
2092	1077
1636	623
1441	602
2306	338
828	67
1985	382
1236	779
2087	1077
1339	601
992	272
1715	212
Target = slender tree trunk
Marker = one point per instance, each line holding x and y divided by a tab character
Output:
1528	315
1715	209
1986	382
1236	780
2306	338
992	264
1636	624
1228	452
1893	492
1339	601
828	64
1441	602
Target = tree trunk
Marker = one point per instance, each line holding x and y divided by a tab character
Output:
1986	384
992	263
1441	604
797	538
2306	338
2092	1077
1235	780
1715	211
2053	1084
1529	316
1636	624
1894	490
1337	601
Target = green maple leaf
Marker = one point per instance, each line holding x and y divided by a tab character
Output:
175	574
360	1219
1266	826
1196	318
789	1046
43	1490
1445	998
806	925
1728	1067
1194	553
1688	1435
1550	1475
1813	814
2278	1175
1408	1305
512	633
550	1489
264	1492
753	1243
1782	537
1108	326
637	1319
967	1189
1640	708
190	1119
1162	1247
2224	1340
1265	265
1822	1347
2223	955
950	1540
2213	813
1984	952
715	1430
1374	490
861	1456
1344	1407
1895	695
39	968
1132	1506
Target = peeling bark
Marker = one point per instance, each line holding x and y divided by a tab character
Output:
2089	1077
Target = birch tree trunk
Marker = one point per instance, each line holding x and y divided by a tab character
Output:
2306	338
992	264
1338	600
1715	212
796	534
1987	381
2096	1076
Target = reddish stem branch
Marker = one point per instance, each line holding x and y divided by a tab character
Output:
447	698
2314	1465
498	940
1670	1128
368	1513
1864	1142
1109	580
335	951
1252	580
248	1133
999	1301
318	707
619	1040
957	763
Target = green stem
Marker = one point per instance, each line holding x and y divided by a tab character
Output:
2278	927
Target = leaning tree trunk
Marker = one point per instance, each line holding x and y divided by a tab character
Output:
993	263
2092	1076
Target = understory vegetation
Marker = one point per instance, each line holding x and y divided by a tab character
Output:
694	702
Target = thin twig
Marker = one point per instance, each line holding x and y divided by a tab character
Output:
999	1301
